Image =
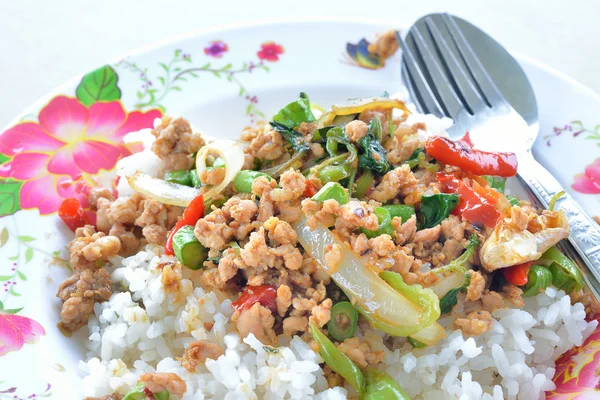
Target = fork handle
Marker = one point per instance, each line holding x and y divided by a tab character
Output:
584	232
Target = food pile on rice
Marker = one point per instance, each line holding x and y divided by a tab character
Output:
354	253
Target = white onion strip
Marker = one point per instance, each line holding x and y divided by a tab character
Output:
163	191
233	156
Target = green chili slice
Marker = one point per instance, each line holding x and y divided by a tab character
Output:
338	361
363	184
332	191
385	224
188	249
181	177
565	274
381	386
538	279
343	322
243	180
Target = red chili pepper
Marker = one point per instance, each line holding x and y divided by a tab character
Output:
149	394
517	274
193	212
266	295
72	214
309	190
477	204
478	162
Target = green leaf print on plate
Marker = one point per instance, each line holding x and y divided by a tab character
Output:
99	85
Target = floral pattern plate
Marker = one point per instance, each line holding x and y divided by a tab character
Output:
222	81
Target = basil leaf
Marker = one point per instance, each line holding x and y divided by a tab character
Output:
374	156
496	182
295	139
450	299
164	395
295	113
335	137
413	160
436	207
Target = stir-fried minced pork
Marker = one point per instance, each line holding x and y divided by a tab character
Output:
158	381
197	352
475	323
79	293
280	253
175	142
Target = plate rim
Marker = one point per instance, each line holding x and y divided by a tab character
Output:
521	57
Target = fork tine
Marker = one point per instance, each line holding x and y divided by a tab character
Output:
449	99
481	77
418	86
462	79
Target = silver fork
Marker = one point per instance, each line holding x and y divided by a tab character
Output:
450	81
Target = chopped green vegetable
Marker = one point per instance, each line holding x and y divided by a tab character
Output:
415	158
181	177
343	322
374	156
295	113
196	182
381	386
385	215
565	274
332	190
513	200
334	173
188	249
383	306
384	221
337	137
136	392
295	139
338	361
363	184
243	180
555	198
448	288
164	395
400	210
496	182
436	207
538	279
450	299
425	298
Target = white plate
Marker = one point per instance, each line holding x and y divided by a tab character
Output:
72	138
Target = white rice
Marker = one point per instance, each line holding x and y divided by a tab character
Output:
144	329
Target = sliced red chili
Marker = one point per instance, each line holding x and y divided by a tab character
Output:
266	295
517	274
478	162
309	190
476	205
72	214
192	213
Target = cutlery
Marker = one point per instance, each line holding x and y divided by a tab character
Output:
446	78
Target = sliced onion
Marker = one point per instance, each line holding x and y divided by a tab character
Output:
293	162
231	153
163	191
360	105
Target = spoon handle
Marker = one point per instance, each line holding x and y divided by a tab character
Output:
584	232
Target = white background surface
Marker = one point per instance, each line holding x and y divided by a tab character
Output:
46	42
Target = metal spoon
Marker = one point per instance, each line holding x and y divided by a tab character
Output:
447	77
